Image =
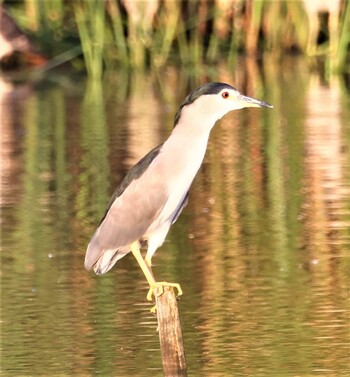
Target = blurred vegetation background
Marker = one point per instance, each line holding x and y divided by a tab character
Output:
262	247
97	35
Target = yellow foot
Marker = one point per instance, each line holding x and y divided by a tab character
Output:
156	289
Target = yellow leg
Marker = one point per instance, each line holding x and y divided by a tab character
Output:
148	262
135	249
156	288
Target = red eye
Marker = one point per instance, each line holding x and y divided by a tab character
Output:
225	95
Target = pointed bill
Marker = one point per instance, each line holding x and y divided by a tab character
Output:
252	102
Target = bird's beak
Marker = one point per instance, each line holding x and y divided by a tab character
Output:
252	102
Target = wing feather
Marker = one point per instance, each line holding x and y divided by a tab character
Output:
133	208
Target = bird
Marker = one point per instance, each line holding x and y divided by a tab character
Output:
154	192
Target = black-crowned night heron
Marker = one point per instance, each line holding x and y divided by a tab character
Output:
154	192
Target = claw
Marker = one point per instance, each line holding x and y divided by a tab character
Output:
158	286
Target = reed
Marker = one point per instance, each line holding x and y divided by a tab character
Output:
90	17
133	33
343	58
165	34
117	26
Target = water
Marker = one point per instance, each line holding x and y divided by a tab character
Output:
261	250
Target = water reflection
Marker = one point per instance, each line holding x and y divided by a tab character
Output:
261	250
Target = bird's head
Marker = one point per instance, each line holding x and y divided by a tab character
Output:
210	102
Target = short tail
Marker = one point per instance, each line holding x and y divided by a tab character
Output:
102	260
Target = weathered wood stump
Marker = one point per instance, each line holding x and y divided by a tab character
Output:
170	334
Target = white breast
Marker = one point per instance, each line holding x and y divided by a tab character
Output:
178	162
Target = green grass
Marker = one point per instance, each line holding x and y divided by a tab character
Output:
185	32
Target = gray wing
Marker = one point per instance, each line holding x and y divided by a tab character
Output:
134	173
134	206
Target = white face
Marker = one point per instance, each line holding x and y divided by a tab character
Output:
234	100
209	108
215	106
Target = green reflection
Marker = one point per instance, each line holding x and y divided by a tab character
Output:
42	227
93	189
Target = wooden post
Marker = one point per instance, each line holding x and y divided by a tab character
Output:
170	334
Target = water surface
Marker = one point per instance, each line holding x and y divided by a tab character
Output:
261	251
